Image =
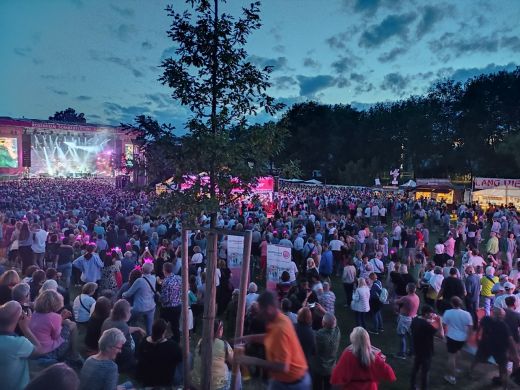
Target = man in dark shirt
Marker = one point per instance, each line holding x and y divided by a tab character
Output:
512	318
424	328
451	287
495	341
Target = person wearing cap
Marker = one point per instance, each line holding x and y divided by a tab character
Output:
500	300
252	295
486	284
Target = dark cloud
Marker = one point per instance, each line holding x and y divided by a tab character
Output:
279	63
275	33
311	63
430	16
396	83
122	11
161	100
338	41
358	78
392	25
146	45
464	74
77	3
310	85
392	54
83	98
115	111
125	63
57	91
454	43
284	82
279	48
37	61
369	6
22	51
345	63
124	32
512	43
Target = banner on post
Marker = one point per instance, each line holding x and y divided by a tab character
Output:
235	255
278	260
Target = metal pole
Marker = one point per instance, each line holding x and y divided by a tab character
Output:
241	309
185	310
209	312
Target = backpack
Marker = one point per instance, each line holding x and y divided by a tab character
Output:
383	295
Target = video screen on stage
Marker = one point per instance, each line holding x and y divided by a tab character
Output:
72	154
8	152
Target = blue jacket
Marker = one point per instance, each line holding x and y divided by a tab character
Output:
326	263
142	293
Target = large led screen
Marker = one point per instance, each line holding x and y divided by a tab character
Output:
8	152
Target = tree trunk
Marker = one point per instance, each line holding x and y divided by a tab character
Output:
185	310
209	312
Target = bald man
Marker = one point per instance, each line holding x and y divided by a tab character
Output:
15	350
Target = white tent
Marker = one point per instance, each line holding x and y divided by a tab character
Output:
313	181
497	196
409	184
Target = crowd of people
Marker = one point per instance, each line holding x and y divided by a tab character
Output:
90	288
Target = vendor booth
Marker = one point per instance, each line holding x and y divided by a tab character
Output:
442	190
496	191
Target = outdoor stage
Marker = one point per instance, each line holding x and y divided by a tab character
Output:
32	148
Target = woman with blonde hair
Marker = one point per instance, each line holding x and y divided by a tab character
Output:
8	280
361	366
312	271
361	302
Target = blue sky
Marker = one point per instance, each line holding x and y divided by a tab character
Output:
101	56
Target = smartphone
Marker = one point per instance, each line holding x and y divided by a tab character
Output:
311	305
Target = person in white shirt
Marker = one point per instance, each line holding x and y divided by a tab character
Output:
38	244
460	324
252	295
476	260
396	235
378	266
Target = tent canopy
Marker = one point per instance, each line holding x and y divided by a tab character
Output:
409	184
313	181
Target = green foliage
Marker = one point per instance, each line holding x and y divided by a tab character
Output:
453	130
69	115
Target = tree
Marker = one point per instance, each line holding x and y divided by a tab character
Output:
210	74
69	115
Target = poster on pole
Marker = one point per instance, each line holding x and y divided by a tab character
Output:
278	260
235	255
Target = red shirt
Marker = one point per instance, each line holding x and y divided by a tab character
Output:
349	374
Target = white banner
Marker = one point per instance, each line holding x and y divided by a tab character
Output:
278	260
235	255
482	183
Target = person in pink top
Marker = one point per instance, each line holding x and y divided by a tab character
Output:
408	307
54	331
449	245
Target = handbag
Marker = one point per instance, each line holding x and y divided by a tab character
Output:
156	295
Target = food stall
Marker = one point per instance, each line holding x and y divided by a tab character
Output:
496	191
442	190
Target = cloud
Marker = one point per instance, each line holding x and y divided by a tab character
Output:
124	32
392	25
83	98
284	82
454	43
358	78
396	83
464	74
361	106
310	85
338	41
345	63
37	61
146	45
431	15
392	54
125	63
168	53
512	43
368	6
275	32
161	100
279	48
57	91
22	51
122	11
279	63
311	63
